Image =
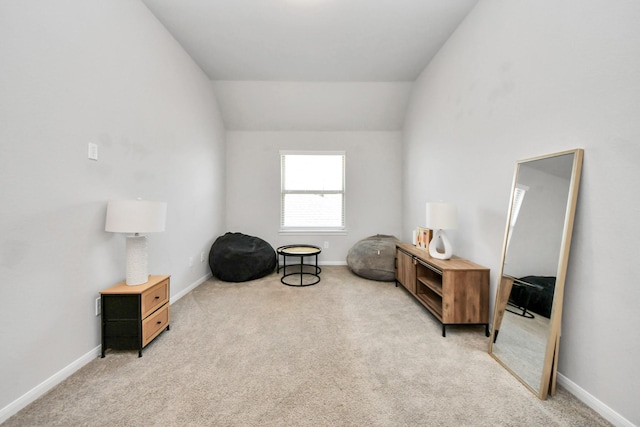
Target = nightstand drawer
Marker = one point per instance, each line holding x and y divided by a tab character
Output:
154	324
155	297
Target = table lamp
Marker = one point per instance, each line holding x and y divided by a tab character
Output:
136	217
441	216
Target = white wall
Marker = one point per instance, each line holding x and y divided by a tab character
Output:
76	71
316	106
373	176
520	79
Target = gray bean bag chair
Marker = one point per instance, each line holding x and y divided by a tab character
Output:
374	258
236	257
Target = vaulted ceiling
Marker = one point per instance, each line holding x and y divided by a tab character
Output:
310	41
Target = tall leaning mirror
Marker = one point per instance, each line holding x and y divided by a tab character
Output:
528	309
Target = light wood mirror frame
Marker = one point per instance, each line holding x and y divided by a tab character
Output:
514	347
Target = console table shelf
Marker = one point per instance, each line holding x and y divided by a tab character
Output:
434	286
433	304
455	291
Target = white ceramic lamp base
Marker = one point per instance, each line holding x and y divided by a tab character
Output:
439	235
137	265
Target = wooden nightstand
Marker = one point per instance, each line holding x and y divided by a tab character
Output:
132	316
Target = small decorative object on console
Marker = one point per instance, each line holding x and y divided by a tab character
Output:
423	237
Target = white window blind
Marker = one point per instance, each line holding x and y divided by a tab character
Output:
312	190
518	197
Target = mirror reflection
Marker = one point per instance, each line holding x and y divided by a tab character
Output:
527	318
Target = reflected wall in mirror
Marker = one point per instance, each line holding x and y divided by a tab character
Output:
528	309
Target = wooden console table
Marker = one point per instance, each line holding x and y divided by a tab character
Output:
455	291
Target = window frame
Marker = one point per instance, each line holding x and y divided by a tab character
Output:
311	230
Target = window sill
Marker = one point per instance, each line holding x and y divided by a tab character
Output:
313	232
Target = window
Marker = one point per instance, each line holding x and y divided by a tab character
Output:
312	191
518	197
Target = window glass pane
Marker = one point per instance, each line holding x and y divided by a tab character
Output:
313	172
312	210
312	190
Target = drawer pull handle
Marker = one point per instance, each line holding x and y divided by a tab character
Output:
159	322
157	297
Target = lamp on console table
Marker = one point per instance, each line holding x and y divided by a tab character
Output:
136	217
440	217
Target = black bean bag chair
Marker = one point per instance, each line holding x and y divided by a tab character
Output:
537	298
374	258
236	257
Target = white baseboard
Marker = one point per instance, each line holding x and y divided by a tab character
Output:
33	394
597	405
332	263
189	288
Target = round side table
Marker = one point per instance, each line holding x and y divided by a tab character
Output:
311	272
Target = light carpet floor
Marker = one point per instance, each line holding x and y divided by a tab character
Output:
345	352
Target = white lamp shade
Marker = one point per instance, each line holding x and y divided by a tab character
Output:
442	216
135	216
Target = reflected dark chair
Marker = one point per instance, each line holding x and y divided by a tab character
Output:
532	294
